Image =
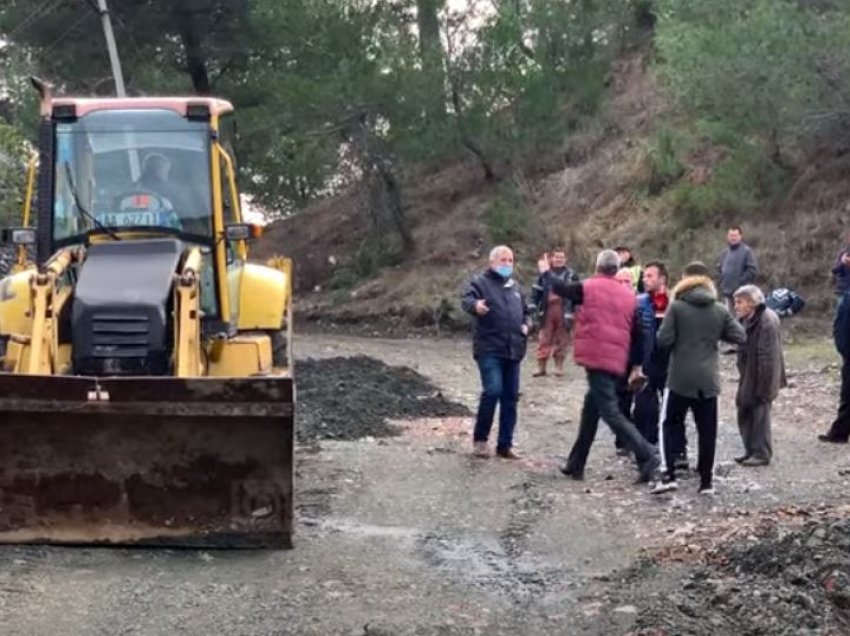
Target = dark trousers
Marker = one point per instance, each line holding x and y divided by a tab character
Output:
754	425
601	401
500	382
841	426
625	399
646	413
705	415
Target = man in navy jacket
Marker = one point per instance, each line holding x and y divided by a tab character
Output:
839	432
502	322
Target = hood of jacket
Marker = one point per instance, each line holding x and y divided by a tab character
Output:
696	290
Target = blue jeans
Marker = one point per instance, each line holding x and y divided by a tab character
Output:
500	382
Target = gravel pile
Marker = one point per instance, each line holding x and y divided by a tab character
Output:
794	583
352	398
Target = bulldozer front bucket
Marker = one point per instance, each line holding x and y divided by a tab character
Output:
204	462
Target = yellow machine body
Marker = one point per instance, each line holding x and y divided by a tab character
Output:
146	379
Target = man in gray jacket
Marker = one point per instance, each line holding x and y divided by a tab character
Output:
690	331
736	266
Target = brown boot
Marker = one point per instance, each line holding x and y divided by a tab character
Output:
541	369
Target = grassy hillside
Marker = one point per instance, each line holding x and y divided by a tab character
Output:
625	178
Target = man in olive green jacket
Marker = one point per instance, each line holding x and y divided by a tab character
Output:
694	324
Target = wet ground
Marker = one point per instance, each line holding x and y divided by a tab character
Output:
408	534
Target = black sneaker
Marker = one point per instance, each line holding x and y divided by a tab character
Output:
648	470
572	471
707	490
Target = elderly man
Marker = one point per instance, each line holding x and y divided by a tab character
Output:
762	374
502	322
690	331
556	314
608	344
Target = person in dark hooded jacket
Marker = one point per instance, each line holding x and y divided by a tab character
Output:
690	331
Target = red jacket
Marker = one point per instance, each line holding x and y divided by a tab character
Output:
604	325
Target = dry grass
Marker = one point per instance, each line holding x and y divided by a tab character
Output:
595	198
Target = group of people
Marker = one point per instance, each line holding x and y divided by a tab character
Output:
650	350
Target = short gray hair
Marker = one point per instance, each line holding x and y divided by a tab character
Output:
751	293
497	251
607	262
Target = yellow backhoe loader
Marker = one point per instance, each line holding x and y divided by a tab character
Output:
146	379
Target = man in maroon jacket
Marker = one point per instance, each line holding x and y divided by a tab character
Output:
608	344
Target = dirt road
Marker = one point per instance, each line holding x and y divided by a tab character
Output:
408	534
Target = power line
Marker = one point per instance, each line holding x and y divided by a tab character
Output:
32	18
64	34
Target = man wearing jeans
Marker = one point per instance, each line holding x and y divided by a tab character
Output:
690	331
502	322
608	344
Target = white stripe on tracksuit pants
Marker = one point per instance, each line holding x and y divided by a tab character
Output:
662	415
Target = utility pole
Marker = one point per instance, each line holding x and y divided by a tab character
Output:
115	61
113	49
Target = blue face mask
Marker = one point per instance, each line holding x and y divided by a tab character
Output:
505	271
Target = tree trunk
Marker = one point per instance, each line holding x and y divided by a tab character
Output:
392	189
196	62
468	141
431	52
380	170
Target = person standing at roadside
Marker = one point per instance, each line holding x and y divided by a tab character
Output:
625	388
839	432
841	269
502	322
762	374
690	331
736	266
608	344
556	313
655	302
627	260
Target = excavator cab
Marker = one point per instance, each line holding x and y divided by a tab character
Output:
146	378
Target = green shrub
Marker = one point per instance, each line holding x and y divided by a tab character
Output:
663	156
372	255
506	217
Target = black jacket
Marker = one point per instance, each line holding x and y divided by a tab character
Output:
499	332
540	291
841	327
